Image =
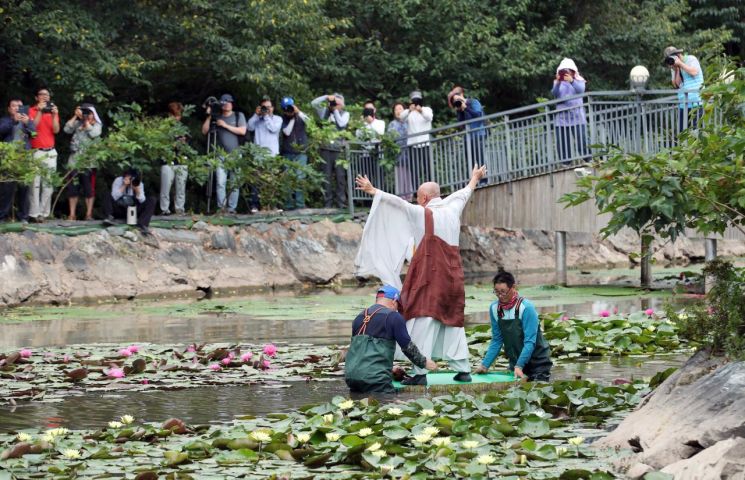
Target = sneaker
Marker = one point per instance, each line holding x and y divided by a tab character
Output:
415	380
231	212
254	210
462	377
180	212
108	221
144	230
165	213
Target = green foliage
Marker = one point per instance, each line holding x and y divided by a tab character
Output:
527	429
696	184
19	165
720	326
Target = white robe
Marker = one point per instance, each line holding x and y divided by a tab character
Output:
393	228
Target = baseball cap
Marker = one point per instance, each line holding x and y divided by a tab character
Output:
287	102
390	292
227	98
671	51
415	94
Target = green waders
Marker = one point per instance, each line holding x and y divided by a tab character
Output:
369	361
539	365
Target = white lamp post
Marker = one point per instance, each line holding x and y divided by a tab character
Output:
638	77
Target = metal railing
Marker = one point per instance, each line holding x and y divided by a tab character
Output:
527	141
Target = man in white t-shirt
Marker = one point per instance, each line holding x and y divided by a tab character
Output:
418	119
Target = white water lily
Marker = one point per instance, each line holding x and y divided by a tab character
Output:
375	446
328	418
332	436
346	405
441	441
576	441
23	437
115	424
561	451
431	431
303	437
470	444
379	453
683	316
486	459
386	469
588	349
522	459
127	419
422	438
261	436
651	328
428	412
47	438
394	411
71	454
364	432
58	432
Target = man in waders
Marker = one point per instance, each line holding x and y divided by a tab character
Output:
433	293
375	333
514	324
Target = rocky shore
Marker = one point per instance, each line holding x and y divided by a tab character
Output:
118	262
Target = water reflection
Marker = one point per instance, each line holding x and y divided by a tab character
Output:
222	404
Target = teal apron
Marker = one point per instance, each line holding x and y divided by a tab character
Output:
513	338
369	361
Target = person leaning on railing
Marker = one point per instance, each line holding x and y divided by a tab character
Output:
688	78
569	120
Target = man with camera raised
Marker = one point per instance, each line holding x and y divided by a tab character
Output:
46	120
418	120
228	127
84	126
688	77
15	127
331	108
129	191
266	126
294	144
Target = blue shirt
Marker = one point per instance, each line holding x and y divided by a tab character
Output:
392	328
266	131
690	84
528	317
11	131
473	110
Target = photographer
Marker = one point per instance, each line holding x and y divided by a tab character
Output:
467	109
294	143
375	125
84	126
46	120
266	126
230	125
418	120
569	121
688	77
129	191
331	108
15	127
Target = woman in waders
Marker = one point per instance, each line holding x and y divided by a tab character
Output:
514	324
375	332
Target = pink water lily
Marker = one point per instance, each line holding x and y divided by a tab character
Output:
114	372
604	313
25	353
565	318
66	358
266	364
246	356
124	352
133	348
191	348
145	381
270	349
226	361
215	367
615	310
649	311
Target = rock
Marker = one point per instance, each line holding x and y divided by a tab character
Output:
697	407
130	235
638	471
724	459
178	236
259	249
75	262
310	260
223	240
200	226
116	231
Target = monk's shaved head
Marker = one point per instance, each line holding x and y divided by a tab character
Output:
426	192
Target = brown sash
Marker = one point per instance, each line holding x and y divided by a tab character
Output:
434	285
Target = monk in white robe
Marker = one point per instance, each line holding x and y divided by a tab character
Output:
433	295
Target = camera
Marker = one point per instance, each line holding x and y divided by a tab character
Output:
136	181
264	109
48	108
332	103
417	101
289	110
86	111
458	103
23	110
213	104
670	60
368	112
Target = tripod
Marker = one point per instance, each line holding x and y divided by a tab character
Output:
211	153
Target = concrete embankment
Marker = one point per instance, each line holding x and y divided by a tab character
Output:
42	267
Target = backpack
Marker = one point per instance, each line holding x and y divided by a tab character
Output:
242	139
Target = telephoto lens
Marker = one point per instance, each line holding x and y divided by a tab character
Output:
670	60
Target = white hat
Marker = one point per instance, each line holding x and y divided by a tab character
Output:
569	64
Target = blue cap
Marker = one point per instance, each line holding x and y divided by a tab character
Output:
287	102
390	292
227	98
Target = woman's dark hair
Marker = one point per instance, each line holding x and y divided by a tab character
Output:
504	277
393	108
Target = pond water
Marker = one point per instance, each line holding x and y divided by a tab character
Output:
308	316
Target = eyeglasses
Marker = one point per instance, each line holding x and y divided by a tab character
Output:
501	293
